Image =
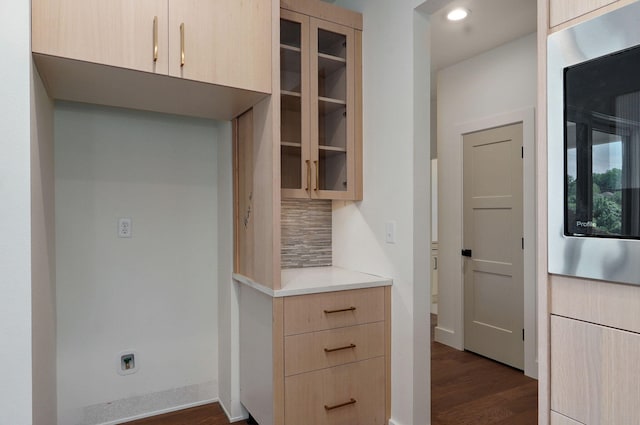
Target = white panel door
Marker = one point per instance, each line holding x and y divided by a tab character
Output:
493	269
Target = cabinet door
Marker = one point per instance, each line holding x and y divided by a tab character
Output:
122	33
561	11
351	394
224	42
332	310
295	163
332	110
334	347
594	372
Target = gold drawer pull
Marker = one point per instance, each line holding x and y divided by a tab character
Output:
346	347
340	310
155	39
182	44
317	175
308	188
351	401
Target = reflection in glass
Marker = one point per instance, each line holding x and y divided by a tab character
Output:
332	111
602	147
291	104
604	204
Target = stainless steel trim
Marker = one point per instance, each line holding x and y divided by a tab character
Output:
615	260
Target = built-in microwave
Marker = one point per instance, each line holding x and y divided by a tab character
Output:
593	94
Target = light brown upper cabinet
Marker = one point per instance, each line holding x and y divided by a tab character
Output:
222	42
321	124
226	42
561	11
124	33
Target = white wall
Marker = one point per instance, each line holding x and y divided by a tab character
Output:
396	160
228	332
15	215
496	82
155	293
433	131
43	259
434	200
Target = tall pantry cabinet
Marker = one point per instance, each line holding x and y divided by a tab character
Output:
589	329
314	341
306	142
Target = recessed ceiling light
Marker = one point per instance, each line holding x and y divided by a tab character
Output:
458	14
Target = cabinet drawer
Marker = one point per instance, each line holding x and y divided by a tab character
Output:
319	350
351	394
317	312
561	11
595	372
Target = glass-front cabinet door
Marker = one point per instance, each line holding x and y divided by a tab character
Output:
319	144
295	162
332	109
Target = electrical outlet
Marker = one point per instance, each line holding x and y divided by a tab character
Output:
124	227
128	362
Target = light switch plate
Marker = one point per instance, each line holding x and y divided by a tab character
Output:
390	232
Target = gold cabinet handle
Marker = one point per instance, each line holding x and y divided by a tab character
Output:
308	175
155	39
317	175
340	310
182	44
346	347
336	406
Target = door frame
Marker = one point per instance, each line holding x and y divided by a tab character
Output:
526	116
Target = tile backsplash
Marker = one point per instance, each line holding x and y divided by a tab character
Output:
306	233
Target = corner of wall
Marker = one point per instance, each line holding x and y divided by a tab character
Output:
43	273
15	222
228	315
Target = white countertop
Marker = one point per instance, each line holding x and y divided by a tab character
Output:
313	280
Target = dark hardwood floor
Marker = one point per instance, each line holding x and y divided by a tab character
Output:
466	389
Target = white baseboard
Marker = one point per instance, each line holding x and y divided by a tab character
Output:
143	406
446	337
161	412
234	419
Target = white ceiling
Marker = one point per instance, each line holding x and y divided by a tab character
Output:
490	24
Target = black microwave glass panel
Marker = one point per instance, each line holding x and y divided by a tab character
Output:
602	147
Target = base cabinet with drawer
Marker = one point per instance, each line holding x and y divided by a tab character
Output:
348	394
327	358
594	372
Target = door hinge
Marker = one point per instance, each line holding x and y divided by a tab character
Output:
521	151
522	243
523	334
